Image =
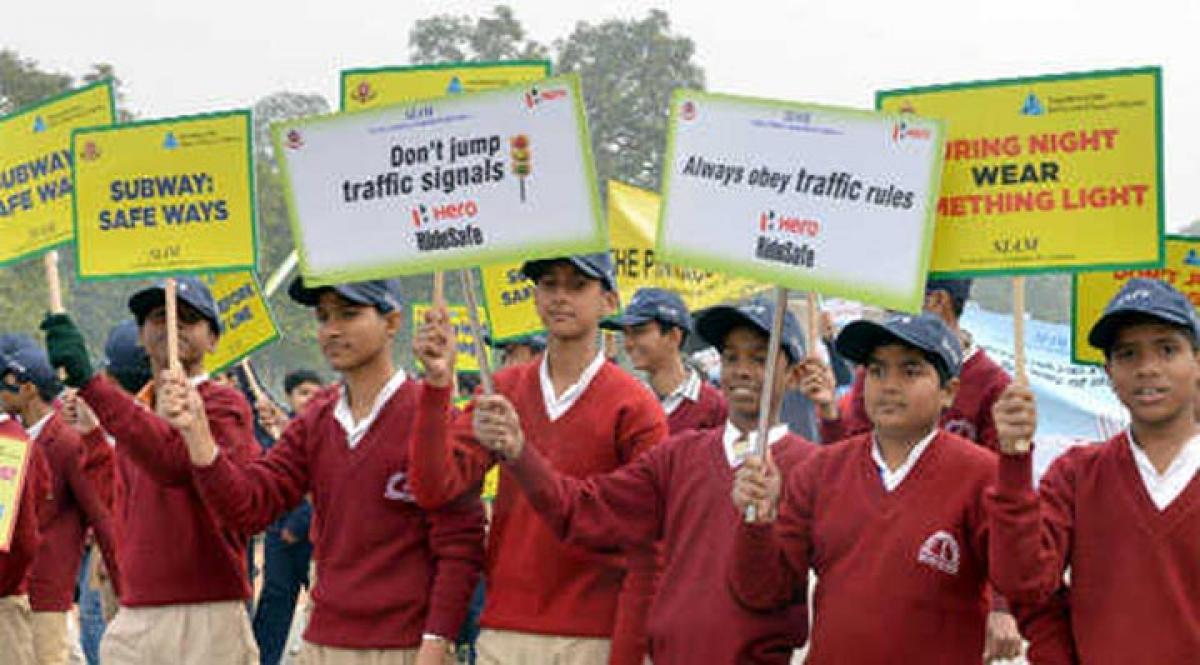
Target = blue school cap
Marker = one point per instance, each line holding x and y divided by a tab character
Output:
925	332
1144	298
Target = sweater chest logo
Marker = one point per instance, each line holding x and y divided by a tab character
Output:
940	552
397	488
961	426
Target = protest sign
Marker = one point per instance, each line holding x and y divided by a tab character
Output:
164	197
382	86
245	316
14	464
820	199
35	169
459	318
1051	173
508	299
446	183
633	229
1091	291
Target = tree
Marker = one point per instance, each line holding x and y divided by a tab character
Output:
447	38
629	69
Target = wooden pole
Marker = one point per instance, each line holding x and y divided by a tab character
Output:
259	395
485	370
172	325
814	323
276	280
759	445
53	282
1020	374
439	289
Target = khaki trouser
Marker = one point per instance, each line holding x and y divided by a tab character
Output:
50	638
16	630
199	634
315	654
503	647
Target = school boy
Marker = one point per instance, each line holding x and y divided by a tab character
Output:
892	521
548	602
678	492
183	574
72	505
393	579
16	617
655	325
1123	515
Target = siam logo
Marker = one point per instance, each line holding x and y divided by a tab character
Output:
397	488
90	152
170	142
294	140
363	93
1032	106
907	107
688	110
1192	258
455	86
39	125
536	96
903	131
940	552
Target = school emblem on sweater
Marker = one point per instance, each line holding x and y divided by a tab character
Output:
397	488
962	427
940	551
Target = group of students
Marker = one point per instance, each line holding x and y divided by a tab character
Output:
632	520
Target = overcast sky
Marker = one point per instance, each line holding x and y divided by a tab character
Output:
178	57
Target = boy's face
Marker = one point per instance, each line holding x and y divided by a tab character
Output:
196	336
648	346
903	392
302	394
744	368
1154	371
569	303
13	394
352	335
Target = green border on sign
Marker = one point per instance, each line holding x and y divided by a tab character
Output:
253	193
1076	344
909	301
598	242
399	69
274	326
112	114
1154	71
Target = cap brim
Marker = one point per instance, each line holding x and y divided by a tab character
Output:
1104	333
145	300
714	323
309	297
534	269
859	338
621	321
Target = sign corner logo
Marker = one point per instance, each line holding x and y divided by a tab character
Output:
295	140
902	131
90	152
455	86
1192	258
39	125
536	96
688	110
363	93
170	142
1032	105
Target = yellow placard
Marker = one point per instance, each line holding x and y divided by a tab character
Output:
165	197
508	297
368	88
246	319
466	360
1055	173
35	169
1093	290
14	465
633	227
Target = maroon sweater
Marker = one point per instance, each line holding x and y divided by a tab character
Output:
902	575
1134	592
71	506
970	416
535	583
387	570
708	411
16	563
676	493
170	548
